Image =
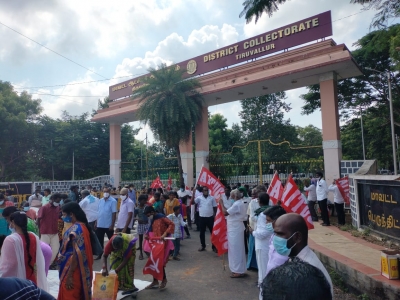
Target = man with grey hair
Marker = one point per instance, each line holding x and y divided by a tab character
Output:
90	205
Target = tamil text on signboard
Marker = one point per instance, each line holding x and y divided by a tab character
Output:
380	206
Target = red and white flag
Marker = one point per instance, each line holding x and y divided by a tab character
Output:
344	189
275	189
155	262
169	187
293	201
156	183
219	233
215	187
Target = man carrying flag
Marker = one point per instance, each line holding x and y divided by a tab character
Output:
339	202
156	183
293	201
169	186
275	189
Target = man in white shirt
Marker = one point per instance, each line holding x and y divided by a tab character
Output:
261	236
35	200
311	198
339	202
90	205
226	198
182	192
291	239
125	215
322	198
207	210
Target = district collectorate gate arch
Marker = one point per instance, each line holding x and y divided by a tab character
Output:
248	69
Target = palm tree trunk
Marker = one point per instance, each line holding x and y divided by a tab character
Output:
180	169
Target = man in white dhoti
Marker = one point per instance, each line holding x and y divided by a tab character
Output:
235	228
262	236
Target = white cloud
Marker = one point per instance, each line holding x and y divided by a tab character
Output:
127	37
174	48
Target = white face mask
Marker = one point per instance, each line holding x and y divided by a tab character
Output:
1	202
56	204
123	197
106	195
151	217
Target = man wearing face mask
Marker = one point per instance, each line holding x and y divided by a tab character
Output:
125	215
90	205
106	217
132	194
291	238
35	200
261	236
48	224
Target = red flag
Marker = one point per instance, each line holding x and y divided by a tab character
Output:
206	178
344	189
156	183
275	189
169	187
293	201
219	233
155	262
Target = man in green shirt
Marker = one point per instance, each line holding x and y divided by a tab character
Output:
46	197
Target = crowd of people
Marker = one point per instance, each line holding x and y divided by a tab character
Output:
67	233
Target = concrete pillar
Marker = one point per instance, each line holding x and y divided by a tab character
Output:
187	161
201	142
330	127
115	154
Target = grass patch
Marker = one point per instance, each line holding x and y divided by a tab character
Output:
363	297
337	280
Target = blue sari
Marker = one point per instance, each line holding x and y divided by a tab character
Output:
76	243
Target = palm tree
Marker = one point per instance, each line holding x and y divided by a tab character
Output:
386	9
255	8
170	105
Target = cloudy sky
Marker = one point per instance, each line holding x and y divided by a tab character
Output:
112	41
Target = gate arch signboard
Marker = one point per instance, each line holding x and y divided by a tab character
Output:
301	32
248	69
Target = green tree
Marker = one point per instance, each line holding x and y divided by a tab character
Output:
18	114
369	91
171	106
262	118
386	9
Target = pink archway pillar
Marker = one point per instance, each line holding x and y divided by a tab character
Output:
202	142
115	154
330	127
187	161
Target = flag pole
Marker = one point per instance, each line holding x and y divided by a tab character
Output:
195	186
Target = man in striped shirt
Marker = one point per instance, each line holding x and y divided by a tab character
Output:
21	289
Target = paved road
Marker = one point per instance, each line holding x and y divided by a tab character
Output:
198	276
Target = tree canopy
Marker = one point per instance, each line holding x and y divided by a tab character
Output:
170	105
386	9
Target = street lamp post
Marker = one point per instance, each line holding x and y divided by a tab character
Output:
391	118
362	133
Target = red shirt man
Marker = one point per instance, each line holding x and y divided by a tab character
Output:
48	224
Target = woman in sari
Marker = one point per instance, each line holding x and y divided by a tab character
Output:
21	255
122	251
75	258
